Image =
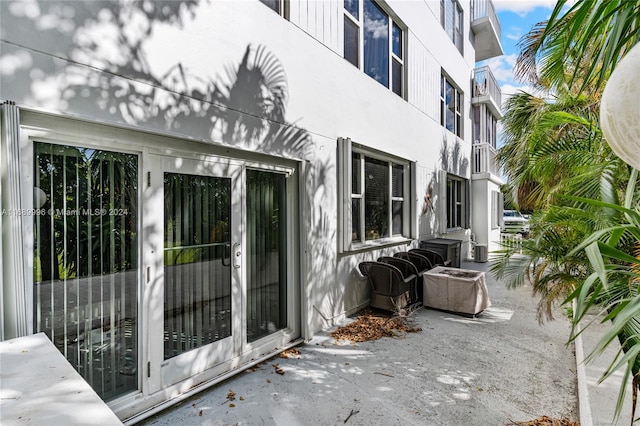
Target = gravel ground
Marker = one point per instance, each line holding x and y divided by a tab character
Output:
495	369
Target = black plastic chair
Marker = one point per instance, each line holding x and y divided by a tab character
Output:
408	270
434	257
421	263
389	289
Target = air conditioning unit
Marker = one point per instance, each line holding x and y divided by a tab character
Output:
481	253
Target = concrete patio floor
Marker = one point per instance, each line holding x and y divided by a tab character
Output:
490	370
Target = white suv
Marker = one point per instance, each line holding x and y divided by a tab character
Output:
515	223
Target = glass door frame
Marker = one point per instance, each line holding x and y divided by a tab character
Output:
293	258
243	350
60	131
165	373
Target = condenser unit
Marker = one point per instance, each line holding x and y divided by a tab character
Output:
481	253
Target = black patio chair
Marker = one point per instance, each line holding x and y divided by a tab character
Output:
389	289
408	270
421	263
435	258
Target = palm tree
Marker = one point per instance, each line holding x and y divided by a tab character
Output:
587	199
553	149
580	45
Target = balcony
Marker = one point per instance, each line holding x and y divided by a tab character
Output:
484	159
487	91
486	27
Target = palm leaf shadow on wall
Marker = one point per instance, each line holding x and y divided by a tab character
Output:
246	107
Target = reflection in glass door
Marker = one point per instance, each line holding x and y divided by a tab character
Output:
86	260
197	267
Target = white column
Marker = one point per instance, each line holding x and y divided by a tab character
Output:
13	320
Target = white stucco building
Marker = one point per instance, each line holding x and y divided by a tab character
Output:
188	187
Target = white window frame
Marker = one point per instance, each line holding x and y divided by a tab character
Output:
347	243
455	28
491	128
458	99
282	7
359	23
445	204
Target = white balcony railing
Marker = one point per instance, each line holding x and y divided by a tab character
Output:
484	83
482	8
484	159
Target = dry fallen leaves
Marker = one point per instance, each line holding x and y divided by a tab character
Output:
545	421
372	326
290	353
278	369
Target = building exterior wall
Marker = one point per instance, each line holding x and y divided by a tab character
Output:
483	187
154	68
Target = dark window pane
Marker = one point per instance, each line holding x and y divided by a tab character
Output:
376	43
476	124
197	305
459	221
376	198
397	41
397	78
352	7
266	254
455	197
397	217
397	181
458	31
450	203
356	187
351	47
449	18
451	108
355	219
273	4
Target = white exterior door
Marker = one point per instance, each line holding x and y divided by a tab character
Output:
195	295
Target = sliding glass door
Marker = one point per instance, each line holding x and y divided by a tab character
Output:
214	288
197	264
224	268
86	261
198	209
266	306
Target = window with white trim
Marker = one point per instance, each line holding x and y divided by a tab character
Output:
456	200
491	128
488	132
450	106
281	7
452	20
373	42
375	196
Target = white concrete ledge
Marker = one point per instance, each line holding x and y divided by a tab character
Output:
39	387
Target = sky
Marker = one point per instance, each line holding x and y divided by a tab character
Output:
516	19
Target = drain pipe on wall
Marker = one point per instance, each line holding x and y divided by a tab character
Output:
331	319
